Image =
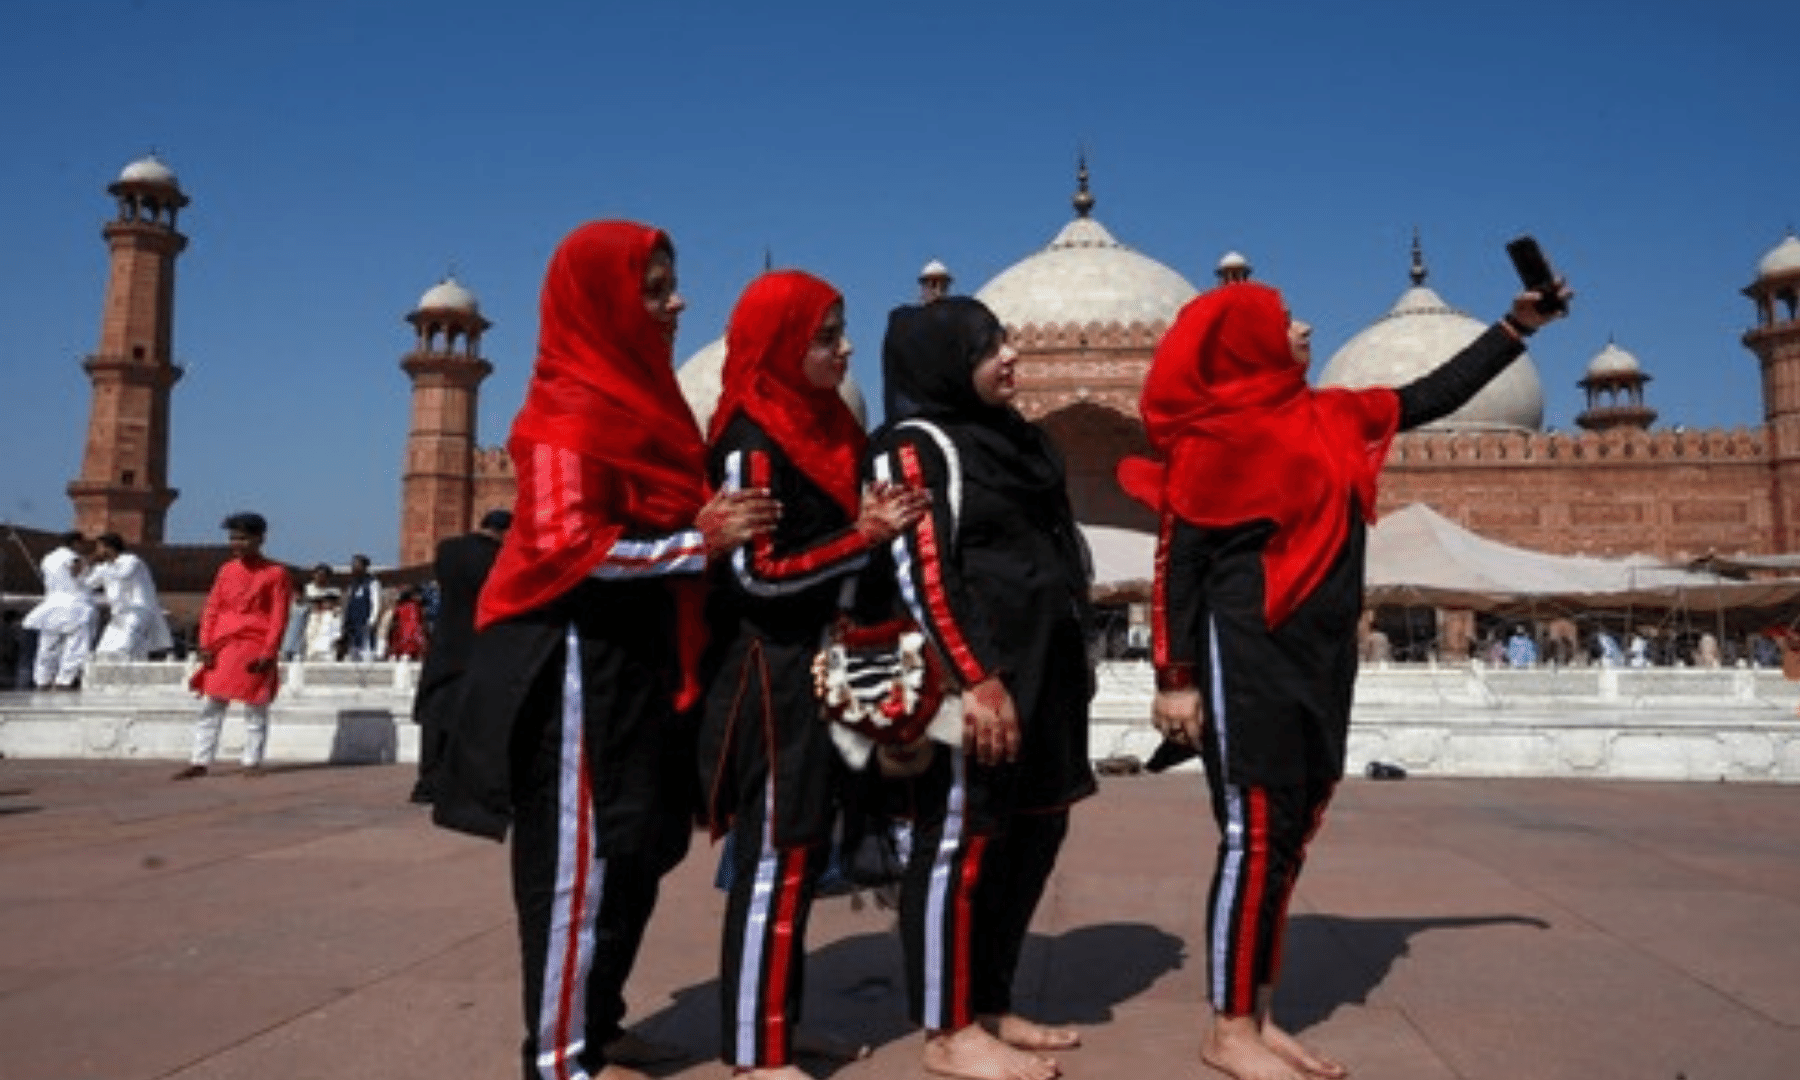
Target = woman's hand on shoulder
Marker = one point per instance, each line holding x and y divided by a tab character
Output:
731	519
890	509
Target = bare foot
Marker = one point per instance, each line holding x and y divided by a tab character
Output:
1289	1050
1234	1046
972	1054
633	1049
1022	1034
619	1072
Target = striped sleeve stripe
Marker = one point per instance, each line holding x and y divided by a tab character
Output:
758	569
931	574
682	553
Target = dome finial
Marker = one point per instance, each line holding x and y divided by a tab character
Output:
768	258
1084	201
1419	273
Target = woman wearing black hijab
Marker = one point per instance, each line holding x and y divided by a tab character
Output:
997	574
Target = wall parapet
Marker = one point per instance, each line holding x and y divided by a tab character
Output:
1737	446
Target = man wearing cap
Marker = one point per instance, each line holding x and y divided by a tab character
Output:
461	567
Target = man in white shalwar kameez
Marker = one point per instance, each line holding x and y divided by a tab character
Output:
137	627
64	619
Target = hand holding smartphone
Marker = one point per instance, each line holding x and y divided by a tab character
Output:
1535	274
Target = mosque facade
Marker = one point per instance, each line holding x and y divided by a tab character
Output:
1085	314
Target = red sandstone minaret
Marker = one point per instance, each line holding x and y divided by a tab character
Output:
1776	342
124	482
446	368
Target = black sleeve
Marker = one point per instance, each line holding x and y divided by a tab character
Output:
1182	554
1449	387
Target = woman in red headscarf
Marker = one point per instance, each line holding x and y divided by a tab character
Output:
1264	486
771	771
589	630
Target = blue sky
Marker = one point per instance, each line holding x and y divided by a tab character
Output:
342	154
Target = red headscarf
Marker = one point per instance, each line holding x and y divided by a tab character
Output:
1243	438
603	390
765	348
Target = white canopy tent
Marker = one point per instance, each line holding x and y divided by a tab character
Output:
1419	557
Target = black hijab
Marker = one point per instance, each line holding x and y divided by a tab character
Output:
928	361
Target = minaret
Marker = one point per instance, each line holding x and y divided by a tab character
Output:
446	368
124	482
1776	342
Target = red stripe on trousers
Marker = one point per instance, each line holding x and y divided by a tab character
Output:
781	950
1256	872
572	949
1293	878
929	555
961	1013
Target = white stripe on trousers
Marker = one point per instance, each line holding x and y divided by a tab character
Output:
936	1016
575	907
1231	868
756	928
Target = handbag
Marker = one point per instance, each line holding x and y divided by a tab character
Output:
883	687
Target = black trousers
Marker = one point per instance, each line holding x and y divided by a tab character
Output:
968	897
581	913
1263	836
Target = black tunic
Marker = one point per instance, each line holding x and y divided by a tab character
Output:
1280	698
768	612
1000	586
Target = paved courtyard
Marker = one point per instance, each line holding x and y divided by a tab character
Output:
312	924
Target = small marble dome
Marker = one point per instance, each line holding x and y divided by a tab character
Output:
148	170
448	295
1417	335
933	269
1232	260
701	379
1613	361
1782	258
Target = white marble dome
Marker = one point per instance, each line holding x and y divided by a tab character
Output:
148	170
701	378
1417	335
448	295
1613	360
1782	258
1085	276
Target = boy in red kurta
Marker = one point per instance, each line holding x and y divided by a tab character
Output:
240	642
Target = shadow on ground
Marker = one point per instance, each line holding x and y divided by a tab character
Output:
1333	961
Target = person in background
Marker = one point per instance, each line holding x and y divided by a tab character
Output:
460	565
361	613
324	626
1521	651
293	640
64	619
240	644
12	649
406	637
136	627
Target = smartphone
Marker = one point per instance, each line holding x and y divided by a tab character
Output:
1535	273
